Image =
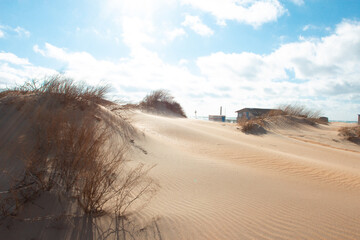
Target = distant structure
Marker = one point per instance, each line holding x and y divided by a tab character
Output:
324	119
249	113
218	118
358	119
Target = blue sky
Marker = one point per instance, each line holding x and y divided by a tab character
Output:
208	53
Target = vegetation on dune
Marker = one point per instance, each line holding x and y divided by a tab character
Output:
72	153
351	133
61	87
298	111
253	126
161	102
286	114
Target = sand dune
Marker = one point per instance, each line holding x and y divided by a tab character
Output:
216	182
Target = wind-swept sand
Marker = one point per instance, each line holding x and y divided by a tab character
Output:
219	183
295	182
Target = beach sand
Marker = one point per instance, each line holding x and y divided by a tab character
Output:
217	182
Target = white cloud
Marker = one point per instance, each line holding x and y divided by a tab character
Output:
22	32
136	31
183	62
195	23
328	67
314	27
252	12
301	71
140	23
15	70
131	78
307	27
177	32
19	31
139	8
12	58
333	57
38	50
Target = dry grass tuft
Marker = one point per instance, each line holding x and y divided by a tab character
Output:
298	111
73	154
161	102
61	87
253	126
285	116
351	133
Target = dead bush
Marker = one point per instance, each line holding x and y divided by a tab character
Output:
160	101
21	191
64	88
248	127
350	133
287	113
134	185
73	154
299	111
253	125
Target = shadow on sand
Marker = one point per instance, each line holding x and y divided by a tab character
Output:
110	227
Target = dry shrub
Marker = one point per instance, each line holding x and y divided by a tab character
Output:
73	155
253	125
285	115
350	133
160	101
135	185
61	87
22	190
292	113
248	127
275	112
298	111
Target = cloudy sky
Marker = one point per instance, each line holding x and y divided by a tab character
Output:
208	53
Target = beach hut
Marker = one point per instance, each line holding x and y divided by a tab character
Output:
324	119
249	113
217	118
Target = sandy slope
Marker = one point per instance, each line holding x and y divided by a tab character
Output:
219	183
216	183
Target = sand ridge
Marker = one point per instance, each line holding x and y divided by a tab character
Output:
218	183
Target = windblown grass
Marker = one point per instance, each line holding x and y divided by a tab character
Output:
298	111
61	87
284	115
160	101
253	126
73	152
351	133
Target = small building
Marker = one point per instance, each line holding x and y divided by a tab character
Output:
248	113
324	119
217	118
